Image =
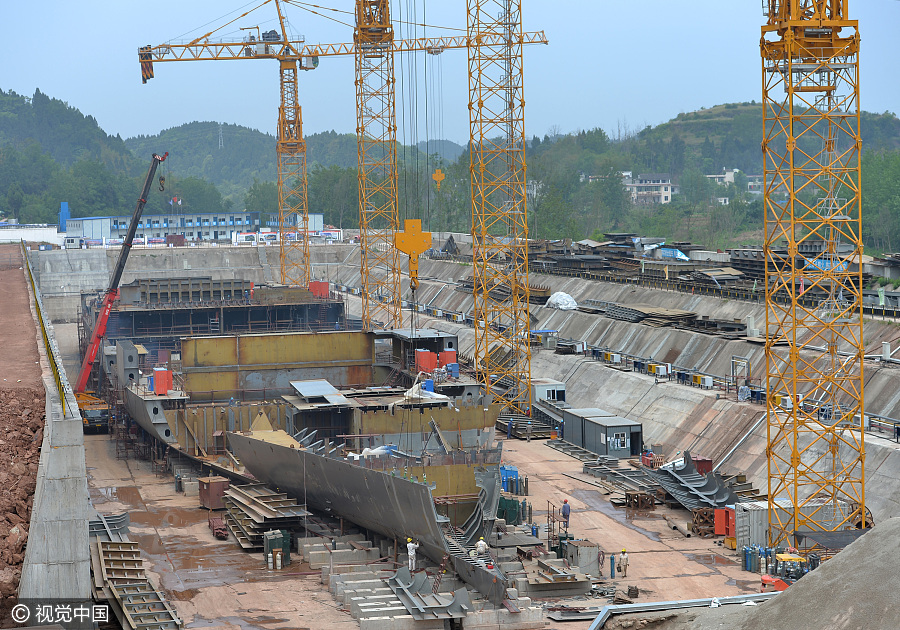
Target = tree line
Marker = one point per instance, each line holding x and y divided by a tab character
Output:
50	152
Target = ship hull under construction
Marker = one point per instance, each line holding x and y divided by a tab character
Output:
370	492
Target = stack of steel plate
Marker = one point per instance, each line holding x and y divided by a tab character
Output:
624	313
254	509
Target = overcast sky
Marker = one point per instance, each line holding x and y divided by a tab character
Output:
612	65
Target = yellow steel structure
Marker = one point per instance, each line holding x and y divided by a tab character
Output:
813	248
376	134
499	218
374	126
293	212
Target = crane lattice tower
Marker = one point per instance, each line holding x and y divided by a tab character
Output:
376	132
813	248
499	215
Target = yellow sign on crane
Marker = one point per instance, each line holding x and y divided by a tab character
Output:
438	177
413	242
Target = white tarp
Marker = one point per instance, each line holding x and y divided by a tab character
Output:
416	392
562	301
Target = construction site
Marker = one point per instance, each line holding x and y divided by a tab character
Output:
410	431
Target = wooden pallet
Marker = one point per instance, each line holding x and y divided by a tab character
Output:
704	522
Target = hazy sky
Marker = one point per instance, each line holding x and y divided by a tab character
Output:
612	65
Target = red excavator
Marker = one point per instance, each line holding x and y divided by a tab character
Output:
95	411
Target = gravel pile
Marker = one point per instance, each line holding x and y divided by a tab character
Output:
21	433
857	589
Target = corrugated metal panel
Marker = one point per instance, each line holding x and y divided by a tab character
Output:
752	519
751	523
573	429
309	389
594	437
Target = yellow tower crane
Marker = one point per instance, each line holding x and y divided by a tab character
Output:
293	212
813	249
499	217
376	131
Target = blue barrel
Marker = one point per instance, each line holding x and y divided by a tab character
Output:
534	530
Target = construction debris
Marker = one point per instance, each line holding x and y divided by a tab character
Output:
692	489
821	599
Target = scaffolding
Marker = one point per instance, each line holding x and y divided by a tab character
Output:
813	245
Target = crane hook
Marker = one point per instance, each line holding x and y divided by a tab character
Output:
162	183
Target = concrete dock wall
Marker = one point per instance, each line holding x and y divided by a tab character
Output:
64	274
57	561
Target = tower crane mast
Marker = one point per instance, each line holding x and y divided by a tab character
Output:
376	133
499	213
813	249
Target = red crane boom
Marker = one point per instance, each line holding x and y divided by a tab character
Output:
113	291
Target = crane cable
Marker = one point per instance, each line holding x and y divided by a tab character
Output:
414	108
427	221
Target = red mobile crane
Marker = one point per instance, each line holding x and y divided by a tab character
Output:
91	406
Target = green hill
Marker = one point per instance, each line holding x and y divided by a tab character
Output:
728	136
194	152
63	132
246	154
51	152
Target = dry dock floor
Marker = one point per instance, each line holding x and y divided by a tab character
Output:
212	583
663	564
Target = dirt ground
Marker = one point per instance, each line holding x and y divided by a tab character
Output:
662	563
19	365
21	420
212	583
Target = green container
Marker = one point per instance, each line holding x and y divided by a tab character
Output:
510	511
277	540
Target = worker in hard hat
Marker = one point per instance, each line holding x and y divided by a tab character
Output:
481	547
623	563
411	552
565	511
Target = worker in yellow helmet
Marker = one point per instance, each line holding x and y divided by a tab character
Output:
623	563
411	552
481	547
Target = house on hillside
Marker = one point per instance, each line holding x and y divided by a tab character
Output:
727	176
649	188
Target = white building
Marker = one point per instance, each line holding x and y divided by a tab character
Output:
727	176
199	226
649	188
